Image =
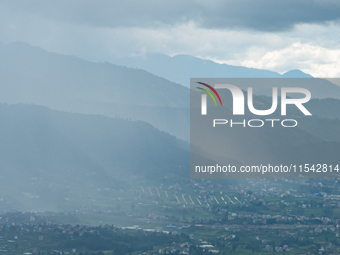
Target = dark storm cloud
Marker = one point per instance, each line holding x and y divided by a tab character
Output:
263	15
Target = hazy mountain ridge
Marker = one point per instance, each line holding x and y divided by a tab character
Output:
180	68
37	75
30	74
51	154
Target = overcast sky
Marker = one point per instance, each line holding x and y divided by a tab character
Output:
278	35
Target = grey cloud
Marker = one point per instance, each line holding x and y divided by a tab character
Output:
263	15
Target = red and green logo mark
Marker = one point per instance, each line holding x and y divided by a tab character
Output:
209	93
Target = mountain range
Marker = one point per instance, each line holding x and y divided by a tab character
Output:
180	68
32	75
74	130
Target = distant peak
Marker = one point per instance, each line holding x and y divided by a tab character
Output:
296	73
